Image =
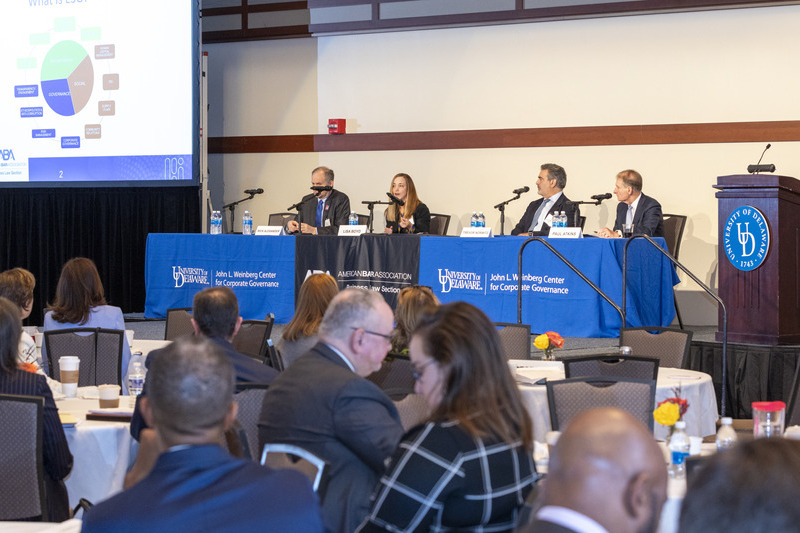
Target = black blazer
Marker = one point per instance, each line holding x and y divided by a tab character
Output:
422	221
563	204
336	212
646	221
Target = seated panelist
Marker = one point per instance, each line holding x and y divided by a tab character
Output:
644	212
323	216
406	214
538	216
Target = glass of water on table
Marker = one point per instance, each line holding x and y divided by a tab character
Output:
136	374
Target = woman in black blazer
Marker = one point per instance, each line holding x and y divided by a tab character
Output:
413	216
14	380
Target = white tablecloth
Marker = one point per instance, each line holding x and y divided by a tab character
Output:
696	387
146	345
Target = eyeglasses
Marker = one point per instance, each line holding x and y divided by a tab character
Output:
418	371
387	337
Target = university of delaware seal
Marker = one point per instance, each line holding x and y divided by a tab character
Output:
746	238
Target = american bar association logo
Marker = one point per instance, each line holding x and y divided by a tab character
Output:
746	238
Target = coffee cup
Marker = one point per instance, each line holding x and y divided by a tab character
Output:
109	396
69	365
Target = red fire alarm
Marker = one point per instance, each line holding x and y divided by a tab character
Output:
337	125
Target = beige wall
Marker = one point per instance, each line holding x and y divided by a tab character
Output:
719	66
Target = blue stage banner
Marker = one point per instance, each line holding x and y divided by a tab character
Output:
259	269
484	273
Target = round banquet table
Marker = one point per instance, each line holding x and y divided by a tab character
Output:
696	387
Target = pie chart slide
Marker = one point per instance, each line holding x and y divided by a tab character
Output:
67	78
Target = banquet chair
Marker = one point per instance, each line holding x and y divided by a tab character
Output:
792	409
252	336
611	366
280	219
22	490
439	224
396	373
99	351
363	220
673	235
568	397
515	339
290	456
179	323
582	221
273	357
413	409
250	397
669	345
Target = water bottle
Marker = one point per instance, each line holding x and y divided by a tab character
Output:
481	220
563	219
726	436
136	373
247	223
473	222
679	450
216	223
353	220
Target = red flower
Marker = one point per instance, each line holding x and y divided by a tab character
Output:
555	339
682	404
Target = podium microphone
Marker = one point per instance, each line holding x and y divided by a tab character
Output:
758	167
521	190
601	197
395	199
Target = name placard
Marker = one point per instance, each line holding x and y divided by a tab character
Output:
270	230
565	233
476	232
352	231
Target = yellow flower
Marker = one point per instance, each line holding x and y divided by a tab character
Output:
542	341
667	414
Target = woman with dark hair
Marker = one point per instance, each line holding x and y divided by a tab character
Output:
81	303
13	380
412	304
300	334
470	466
413	216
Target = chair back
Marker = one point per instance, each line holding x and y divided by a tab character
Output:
22	491
290	456
792	409
179	323
611	366
99	351
669	345
280	219
250	399
515	338
569	397
413	410
396	373
582	221
439	224
673	232
273	357
363	220
252	337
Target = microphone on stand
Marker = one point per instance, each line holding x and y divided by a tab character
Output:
254	191
758	167
320	188
601	197
521	190
395	199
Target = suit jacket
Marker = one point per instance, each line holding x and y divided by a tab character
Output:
336	212
572	212
203	488
57	457
647	219
422	221
321	405
247	370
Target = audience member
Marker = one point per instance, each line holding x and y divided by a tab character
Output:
323	217
195	485
412	304
752	488
323	404
17	285
300	334
606	474
470	467
538	216
81	303
644	212
56	455
411	217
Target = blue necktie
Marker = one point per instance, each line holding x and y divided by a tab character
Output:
540	213
320	205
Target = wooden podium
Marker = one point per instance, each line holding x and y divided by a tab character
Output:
763	303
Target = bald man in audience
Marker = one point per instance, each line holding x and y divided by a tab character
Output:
196	485
606	475
752	488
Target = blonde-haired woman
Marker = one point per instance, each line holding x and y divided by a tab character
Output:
300	334
413	216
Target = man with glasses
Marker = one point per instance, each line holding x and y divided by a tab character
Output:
323	404
538	216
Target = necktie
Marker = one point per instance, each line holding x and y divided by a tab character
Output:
540	213
629	217
320	206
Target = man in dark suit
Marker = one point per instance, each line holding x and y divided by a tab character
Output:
195	485
644	212
606	474
538	216
324	215
323	403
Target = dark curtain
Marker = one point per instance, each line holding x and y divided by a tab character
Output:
40	229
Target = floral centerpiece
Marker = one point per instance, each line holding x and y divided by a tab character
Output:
671	410
547	342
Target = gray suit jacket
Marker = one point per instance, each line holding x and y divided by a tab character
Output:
318	403
336	212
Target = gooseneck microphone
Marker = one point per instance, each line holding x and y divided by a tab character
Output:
521	190
601	197
758	167
254	191
395	199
